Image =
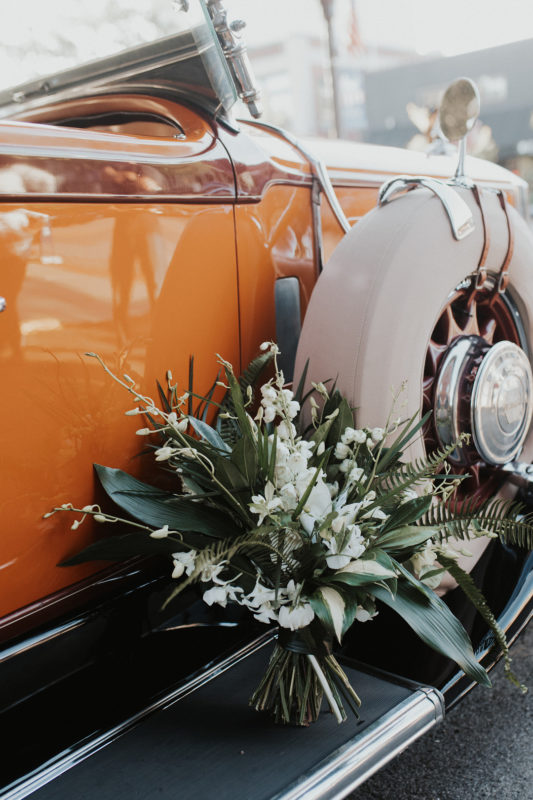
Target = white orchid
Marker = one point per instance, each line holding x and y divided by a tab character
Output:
164	453
217	594
297	617
265	505
318	505
352	435
183	562
353	549
161	533
377	434
288	497
342	451
210	572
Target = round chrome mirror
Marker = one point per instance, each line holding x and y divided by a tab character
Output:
459	109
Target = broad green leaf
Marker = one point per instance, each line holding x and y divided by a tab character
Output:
407	513
434	623
244	456
321	433
156	508
406	537
334	602
119	548
229	474
364	571
209	434
350	609
322	612
368	566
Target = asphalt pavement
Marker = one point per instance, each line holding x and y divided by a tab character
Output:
483	750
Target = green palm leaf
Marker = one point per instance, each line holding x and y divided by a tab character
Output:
434	623
156	508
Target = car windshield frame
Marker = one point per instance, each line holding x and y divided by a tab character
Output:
188	65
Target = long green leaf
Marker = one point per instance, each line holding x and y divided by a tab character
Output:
401	442
244	456
406	537
434	623
157	508
407	513
229	474
209	434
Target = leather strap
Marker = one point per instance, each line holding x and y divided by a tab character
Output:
503	275
481	273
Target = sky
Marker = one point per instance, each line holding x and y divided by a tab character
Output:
45	36
451	27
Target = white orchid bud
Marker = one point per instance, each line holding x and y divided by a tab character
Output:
161	533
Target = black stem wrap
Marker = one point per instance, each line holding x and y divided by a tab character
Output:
303	641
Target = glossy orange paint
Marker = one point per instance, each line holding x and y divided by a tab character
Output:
45	161
143	286
274	240
145	249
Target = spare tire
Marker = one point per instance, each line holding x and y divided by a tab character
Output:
398	292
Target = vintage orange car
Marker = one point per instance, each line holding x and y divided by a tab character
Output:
141	221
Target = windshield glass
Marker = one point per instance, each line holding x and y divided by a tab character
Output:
44	44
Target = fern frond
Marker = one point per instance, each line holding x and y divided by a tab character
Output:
269	552
405	476
504	518
477	599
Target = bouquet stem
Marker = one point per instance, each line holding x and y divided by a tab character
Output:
296	680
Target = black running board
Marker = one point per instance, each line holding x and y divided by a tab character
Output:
202	740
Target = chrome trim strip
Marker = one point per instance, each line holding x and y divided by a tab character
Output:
60	153
318	169
357	760
35	641
118	198
78	754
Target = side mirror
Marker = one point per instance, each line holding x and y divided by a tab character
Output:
459	111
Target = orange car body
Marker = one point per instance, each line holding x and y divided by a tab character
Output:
146	248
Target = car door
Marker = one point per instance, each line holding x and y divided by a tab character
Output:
116	239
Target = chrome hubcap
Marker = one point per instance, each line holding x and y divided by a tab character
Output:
487	392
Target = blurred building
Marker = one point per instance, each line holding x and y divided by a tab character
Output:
295	81
502	75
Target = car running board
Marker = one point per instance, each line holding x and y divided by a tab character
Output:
203	735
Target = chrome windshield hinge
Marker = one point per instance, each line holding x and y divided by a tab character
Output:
234	49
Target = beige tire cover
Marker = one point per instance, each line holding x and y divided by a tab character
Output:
374	307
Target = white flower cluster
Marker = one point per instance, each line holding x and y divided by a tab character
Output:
286	607
323	516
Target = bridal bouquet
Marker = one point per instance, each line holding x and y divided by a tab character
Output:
306	525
